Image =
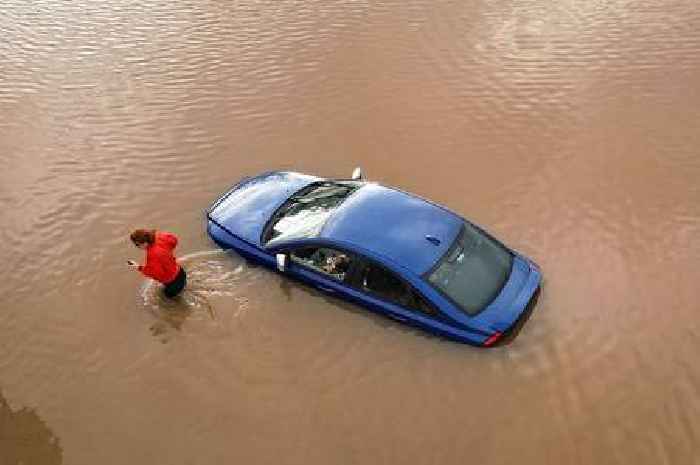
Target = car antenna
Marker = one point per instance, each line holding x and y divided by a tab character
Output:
433	240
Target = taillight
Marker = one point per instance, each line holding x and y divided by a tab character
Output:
493	338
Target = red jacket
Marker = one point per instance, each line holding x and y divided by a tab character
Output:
160	261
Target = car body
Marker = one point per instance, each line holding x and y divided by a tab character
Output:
388	250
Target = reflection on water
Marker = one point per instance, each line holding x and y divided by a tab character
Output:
26	439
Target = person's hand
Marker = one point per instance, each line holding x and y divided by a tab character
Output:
132	264
333	263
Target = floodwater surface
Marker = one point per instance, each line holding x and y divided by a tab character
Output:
570	130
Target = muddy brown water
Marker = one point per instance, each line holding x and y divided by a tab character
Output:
571	130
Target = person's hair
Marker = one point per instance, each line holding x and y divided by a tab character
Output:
143	236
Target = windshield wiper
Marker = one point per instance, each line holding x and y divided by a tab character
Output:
459	250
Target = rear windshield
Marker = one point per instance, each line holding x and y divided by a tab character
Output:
473	271
304	214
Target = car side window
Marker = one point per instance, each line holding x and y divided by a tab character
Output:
385	284
331	262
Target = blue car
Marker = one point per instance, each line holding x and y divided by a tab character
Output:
393	252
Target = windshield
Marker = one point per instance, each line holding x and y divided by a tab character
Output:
304	214
474	270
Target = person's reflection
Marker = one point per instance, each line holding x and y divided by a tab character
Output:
171	314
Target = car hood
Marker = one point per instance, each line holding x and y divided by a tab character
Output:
245	209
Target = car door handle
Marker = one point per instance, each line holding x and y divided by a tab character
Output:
327	289
398	318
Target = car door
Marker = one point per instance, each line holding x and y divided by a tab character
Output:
392	294
326	268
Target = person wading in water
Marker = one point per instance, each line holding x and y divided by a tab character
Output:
161	264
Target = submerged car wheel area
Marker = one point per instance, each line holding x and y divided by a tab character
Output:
390	251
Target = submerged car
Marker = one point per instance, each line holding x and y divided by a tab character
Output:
391	251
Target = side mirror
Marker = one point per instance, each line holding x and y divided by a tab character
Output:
357	174
282	262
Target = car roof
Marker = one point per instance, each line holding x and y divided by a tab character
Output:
408	230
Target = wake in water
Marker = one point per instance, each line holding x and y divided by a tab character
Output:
209	273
